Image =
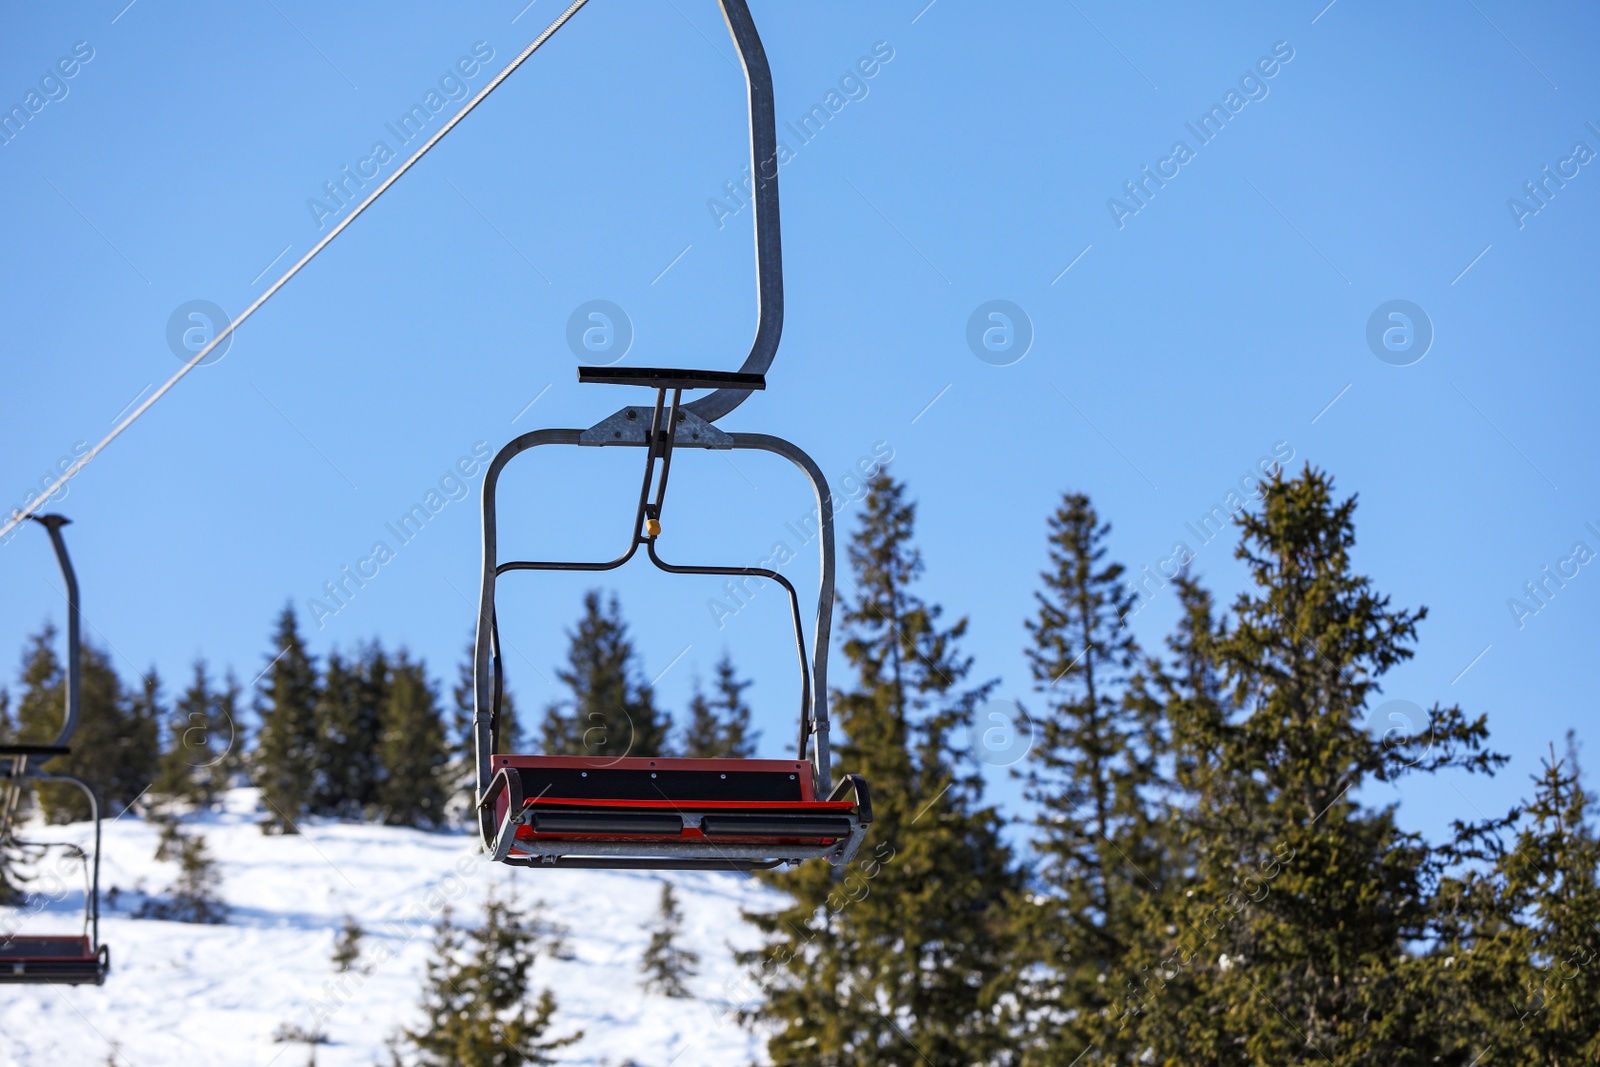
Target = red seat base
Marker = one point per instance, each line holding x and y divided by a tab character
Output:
56	959
664	812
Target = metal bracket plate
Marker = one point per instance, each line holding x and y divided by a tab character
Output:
631	426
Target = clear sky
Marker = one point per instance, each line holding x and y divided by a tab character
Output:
1179	333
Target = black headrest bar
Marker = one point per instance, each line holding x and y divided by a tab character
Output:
34	750
671	378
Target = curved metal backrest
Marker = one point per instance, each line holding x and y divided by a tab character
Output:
69	723
764	195
486	653
764	198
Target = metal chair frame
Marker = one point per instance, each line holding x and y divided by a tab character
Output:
660	430
709	813
37	958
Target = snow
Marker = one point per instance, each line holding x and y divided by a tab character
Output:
191	995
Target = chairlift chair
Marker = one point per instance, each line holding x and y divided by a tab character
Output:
53	958
664	812
661	812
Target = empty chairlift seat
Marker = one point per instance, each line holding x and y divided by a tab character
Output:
652	812
578	811
64	960
54	958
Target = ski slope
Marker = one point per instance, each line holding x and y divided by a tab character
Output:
184	995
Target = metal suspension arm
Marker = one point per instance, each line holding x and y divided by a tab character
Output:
69	724
764	195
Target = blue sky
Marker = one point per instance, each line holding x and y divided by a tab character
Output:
986	159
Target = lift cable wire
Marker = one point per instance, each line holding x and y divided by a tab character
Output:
19	515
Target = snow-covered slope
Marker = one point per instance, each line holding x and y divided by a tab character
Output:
182	995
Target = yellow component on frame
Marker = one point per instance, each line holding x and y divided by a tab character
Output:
652	527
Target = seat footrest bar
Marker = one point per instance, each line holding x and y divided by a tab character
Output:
615	863
563	822
773	826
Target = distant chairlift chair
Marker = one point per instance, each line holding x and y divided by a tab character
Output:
50	958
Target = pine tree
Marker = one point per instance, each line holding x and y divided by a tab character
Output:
1288	938
611	712
171	836
1517	954
899	958
1093	778
10	814
664	964
195	895
286	758
349	716
511	737
43	702
295	1034
116	748
347	947
201	756
413	749
475	1000
462	771
120	758
719	725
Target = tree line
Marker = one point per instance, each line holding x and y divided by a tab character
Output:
1199	878
359	735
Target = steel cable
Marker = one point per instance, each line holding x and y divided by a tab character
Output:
19	515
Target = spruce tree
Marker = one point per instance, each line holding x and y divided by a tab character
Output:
10	815
1289	936
347	947
665	964
413	749
476	998
116	748
463	751
719	725
610	712
42	705
900	957
511	737
121	757
195	896
349	727
286	759
1093	777
1516	958
295	1034
201	754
